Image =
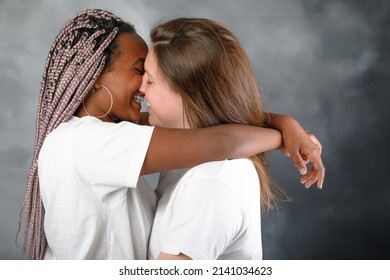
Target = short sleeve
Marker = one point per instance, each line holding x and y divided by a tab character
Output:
207	218
110	154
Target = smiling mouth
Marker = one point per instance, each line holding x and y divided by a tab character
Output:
138	98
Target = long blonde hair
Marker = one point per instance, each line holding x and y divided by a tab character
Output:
204	62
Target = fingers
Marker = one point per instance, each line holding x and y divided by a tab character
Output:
305	152
310	178
317	171
308	175
321	177
315	141
299	162
319	166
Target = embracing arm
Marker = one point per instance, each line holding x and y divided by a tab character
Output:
182	148
297	143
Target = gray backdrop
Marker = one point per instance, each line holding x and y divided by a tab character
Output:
324	62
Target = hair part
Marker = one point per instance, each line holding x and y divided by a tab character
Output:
85	47
206	65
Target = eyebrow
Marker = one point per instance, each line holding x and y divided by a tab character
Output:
139	60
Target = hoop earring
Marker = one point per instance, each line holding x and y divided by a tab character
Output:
109	110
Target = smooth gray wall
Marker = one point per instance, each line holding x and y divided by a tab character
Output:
324	62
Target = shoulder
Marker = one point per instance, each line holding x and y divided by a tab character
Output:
226	171
224	165
222	182
91	131
220	177
91	126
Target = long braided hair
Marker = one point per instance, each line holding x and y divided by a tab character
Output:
84	48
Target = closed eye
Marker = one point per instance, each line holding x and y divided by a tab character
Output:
139	71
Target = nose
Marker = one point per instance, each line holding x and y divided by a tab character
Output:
143	83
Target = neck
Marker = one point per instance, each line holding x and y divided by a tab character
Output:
80	112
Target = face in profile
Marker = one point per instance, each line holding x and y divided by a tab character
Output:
165	107
124	77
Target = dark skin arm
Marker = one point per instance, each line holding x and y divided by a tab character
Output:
298	144
182	148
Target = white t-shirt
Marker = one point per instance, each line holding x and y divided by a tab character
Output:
88	173
210	212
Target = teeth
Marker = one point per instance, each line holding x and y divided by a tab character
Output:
138	98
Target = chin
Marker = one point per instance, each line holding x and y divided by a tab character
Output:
153	122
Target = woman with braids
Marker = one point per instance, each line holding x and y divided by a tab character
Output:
198	75
82	199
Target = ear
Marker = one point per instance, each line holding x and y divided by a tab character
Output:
96	87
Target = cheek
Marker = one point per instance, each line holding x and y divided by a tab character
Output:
136	83
139	81
173	107
169	101
177	102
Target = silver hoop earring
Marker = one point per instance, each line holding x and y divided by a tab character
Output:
109	110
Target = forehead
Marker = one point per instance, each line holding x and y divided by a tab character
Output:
150	65
132	47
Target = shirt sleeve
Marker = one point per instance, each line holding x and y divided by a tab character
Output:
110	154
207	218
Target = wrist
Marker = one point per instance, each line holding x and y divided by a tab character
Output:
284	123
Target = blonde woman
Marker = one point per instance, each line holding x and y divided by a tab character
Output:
197	75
